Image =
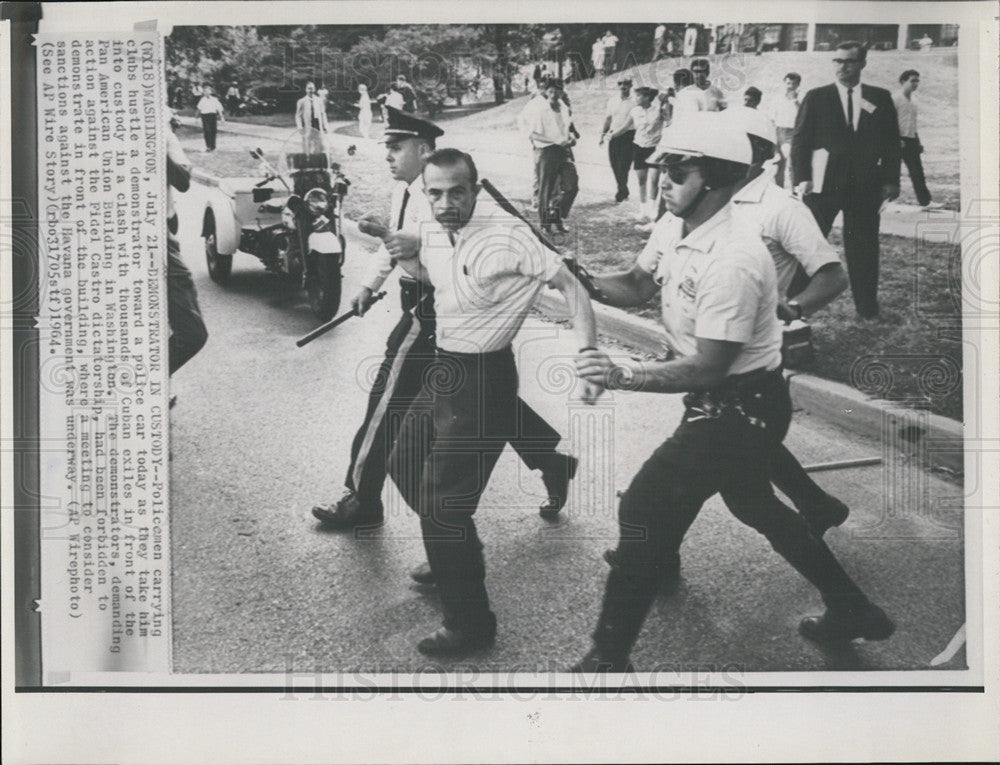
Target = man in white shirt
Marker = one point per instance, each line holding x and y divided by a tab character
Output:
647	117
713	99
487	269
610	43
783	109
906	112
658	38
210	110
410	348
620	131
558	182
525	121
310	119
719	293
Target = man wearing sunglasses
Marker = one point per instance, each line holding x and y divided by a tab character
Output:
719	300
845	157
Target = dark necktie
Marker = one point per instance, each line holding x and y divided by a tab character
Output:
402	209
850	109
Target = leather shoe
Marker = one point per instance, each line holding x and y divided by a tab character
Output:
671	569
556	482
595	662
446	642
842	625
828	513
348	512
422	574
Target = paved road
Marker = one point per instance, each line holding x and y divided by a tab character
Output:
262	431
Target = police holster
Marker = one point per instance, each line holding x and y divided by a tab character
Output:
797	349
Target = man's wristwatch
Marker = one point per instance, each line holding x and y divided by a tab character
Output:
794	305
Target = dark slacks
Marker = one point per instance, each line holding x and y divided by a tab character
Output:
558	184
187	328
442	474
210	127
861	245
620	157
727	454
408	364
911	150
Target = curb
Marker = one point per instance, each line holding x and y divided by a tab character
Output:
934	440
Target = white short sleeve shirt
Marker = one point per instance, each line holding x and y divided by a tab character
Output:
484	284
787	228
717	283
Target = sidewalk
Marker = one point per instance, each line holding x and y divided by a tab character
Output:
936	440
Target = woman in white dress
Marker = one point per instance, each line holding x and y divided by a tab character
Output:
364	105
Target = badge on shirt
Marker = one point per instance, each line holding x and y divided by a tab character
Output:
867	105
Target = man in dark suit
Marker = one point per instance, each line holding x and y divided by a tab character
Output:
854	128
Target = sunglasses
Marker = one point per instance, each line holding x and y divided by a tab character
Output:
678	172
847	61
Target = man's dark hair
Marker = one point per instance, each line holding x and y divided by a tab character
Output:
861	48
754	93
683	78
450	157
794	77
908	74
700	64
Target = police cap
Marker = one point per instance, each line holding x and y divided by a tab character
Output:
403	125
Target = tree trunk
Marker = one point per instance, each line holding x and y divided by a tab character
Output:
501	86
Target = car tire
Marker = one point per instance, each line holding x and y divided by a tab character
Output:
219	266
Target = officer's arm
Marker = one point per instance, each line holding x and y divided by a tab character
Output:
825	285
414	268
578	301
627	288
705	369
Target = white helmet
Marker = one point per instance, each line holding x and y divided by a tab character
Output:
704	134
754	122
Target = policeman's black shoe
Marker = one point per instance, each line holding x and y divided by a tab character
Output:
597	663
348	512
671	570
842	625
446	642
422	574
824	515
556	480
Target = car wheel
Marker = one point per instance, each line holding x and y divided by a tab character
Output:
219	266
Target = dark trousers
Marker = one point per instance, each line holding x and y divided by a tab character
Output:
861	245
558	184
707	455
187	328
210	126
442	474
620	156
784	136
911	156
409	356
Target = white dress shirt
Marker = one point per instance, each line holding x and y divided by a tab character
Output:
855	100
552	125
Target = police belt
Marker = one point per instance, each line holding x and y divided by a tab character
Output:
413	293
740	394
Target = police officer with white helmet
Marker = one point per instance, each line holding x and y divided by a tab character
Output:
719	296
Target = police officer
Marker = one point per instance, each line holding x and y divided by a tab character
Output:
410	348
810	276
487	269
719	294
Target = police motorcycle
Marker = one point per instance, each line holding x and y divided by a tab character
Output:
291	220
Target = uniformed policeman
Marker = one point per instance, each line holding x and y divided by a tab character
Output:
487	268
719	295
410	348
810	275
